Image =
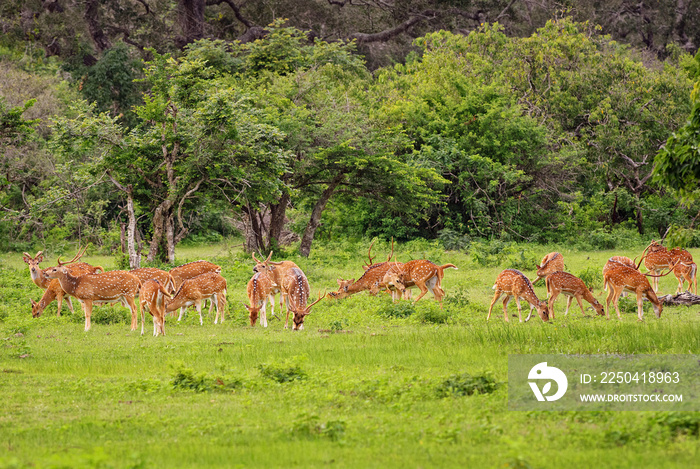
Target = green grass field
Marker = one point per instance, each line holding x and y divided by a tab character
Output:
366	384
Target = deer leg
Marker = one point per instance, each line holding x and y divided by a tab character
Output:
552	298
611	293
182	313
263	312
517	303
198	306
221	304
272	306
59	299
496	296
87	309
615	302
506	300
143	319
423	290
640	309
129	300
580	303
286	319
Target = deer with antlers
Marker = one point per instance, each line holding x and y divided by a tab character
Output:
298	290
193	291
623	278
573	287
420	273
152	298
277	271
656	259
685	269
106	287
52	289
371	280
260	288
552	262
190	270
514	284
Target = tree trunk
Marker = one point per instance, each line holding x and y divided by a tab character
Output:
278	213
92	12
191	19
134	255
315	221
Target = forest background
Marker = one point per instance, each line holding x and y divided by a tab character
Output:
136	125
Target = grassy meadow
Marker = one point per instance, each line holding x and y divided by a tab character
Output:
366	384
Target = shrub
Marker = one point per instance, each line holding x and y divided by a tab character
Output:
186	379
431	313
466	384
283	373
402	309
310	426
592	277
686	423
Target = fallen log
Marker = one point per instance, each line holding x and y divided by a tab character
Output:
685	298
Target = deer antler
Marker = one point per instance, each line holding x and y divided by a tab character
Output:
77	257
391	254
369	255
319	299
256	259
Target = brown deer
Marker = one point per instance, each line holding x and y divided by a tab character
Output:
53	289
150	273
277	271
622	278
619	260
657	259
370	280
152	299
371	263
190	270
107	287
298	290
552	262
419	273
572	287
684	269
193	291
514	284
259	290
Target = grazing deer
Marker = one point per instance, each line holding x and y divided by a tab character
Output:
150	273
572	287
552	262
619	260
277	271
419	273
190	270
514	284
53	289
152	298
371	280
298	290
107	287
193	291
684	269
259	289
656	260
622	278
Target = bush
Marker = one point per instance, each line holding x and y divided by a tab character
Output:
679	423
283	373
186	379
310	426
466	384
592	277
432	314
402	309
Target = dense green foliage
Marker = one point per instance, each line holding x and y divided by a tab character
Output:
356	385
476	136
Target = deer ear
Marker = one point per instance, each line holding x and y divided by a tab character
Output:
40	256
33	302
340	281
26	257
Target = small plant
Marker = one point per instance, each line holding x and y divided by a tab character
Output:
337	324
402	309
186	379
679	423
432	314
310	426
592	277
284	373
466	384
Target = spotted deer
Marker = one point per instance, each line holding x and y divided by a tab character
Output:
514	284
107	287
623	278
656	259
420	273
371	280
277	271
152	298
573	287
298	290
190	270
193	291
165	279
552	262
684	270
53	290
259	289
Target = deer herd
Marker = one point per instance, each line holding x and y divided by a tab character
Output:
161	292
